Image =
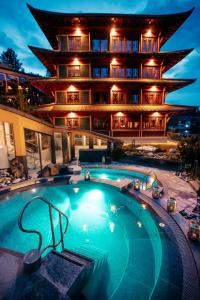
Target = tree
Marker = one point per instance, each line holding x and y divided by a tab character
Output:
10	57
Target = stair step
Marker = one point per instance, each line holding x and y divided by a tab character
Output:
76	257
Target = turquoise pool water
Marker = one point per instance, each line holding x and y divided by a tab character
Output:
105	224
113	174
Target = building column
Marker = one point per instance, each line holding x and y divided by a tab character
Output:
91	143
65	147
141	125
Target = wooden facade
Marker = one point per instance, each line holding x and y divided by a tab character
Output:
107	71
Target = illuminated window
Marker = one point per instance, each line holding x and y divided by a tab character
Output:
74	71
149	44
150	72
73	97
152	98
74	43
118	97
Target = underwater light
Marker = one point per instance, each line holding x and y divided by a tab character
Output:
144	206
76	190
139	224
161	224
84	227
113	208
33	190
112	226
118	180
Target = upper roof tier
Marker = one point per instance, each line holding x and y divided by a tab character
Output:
52	23
50	58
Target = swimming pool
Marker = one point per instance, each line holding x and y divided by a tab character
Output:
113	174
110	227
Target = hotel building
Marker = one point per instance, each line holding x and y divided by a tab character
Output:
107	72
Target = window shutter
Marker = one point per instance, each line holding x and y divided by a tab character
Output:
85	42
63	43
84	70
62	71
61	97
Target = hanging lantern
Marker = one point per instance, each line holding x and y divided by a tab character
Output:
194	230
171	205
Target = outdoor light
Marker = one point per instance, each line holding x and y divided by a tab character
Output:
156	114
114	88
194	230
9	87
119	114
19	87
76	61
162	225
113	31
78	31
148	33
71	88
114	61
151	62
136	184
153	88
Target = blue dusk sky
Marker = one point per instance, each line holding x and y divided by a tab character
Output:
18	29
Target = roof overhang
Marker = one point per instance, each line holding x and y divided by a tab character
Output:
52	23
50	58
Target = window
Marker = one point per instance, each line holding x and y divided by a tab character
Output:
123	72
60	121
125	123
74	43
62	71
132	45
152	98
149	44
73	97
153	123
74	71
61	97
101	98
151	72
100	45
118	97
133	98
118	44
72	123
100	72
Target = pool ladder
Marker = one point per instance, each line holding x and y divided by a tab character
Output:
32	258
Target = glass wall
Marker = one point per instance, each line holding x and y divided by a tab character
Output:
58	147
38	149
7	147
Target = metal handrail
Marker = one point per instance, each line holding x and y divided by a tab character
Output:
62	233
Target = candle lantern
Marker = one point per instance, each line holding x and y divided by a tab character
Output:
194	230
155	193
136	184
171	205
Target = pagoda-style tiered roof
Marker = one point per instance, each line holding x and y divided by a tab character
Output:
49	85
53	23
50	58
